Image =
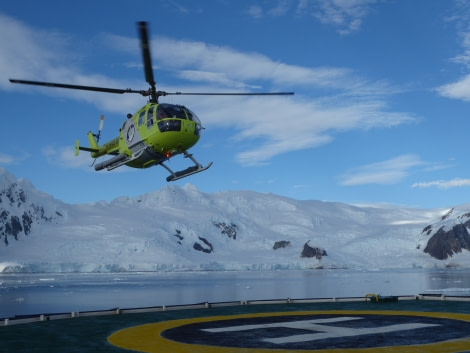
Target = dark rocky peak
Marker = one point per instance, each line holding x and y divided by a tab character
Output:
445	243
12	195
447	215
229	230
315	251
464	218
450	234
281	244
22	206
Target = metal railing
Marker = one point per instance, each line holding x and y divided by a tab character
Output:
24	319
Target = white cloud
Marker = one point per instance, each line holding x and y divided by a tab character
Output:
239	66
35	54
279	9
218	78
178	7
65	157
265	127
255	11
456	90
460	88
231	69
460	17
443	184
38	54
6	159
345	15
390	171
17	158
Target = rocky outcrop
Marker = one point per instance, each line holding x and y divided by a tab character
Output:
309	251
203	244
18	213
179	236
281	244
449	235
443	244
206	246
229	230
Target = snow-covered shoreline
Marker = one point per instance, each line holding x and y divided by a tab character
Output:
182	229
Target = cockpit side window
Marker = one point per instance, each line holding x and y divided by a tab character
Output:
150	118
141	118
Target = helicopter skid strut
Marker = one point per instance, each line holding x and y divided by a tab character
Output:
122	159
196	168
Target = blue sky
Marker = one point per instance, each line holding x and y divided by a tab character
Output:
380	112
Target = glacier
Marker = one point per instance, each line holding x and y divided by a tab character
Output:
183	229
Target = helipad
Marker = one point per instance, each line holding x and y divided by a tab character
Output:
272	326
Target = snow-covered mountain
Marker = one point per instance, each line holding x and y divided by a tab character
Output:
22	206
181	228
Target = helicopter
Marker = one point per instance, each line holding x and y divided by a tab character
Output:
154	133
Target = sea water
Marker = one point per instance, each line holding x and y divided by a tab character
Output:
49	293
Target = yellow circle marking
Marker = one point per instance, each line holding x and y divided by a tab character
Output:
147	338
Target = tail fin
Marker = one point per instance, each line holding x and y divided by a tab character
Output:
92	141
94	149
77	148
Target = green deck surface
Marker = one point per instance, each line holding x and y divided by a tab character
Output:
89	334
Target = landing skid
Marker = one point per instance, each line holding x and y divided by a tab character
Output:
196	168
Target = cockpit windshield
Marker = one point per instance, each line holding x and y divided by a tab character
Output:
192	116
169	118
165	111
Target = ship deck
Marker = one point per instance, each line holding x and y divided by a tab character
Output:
410	324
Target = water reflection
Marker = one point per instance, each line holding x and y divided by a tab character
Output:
26	294
452	282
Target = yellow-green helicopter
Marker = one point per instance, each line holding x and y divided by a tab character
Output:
155	133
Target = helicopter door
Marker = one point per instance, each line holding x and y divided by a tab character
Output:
131	133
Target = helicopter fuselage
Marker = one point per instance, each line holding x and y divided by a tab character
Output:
164	129
155	133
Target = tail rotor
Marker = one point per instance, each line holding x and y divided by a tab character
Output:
98	135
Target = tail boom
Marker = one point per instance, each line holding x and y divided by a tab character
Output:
110	147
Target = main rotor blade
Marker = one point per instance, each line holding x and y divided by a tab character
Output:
144	43
84	88
229	94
